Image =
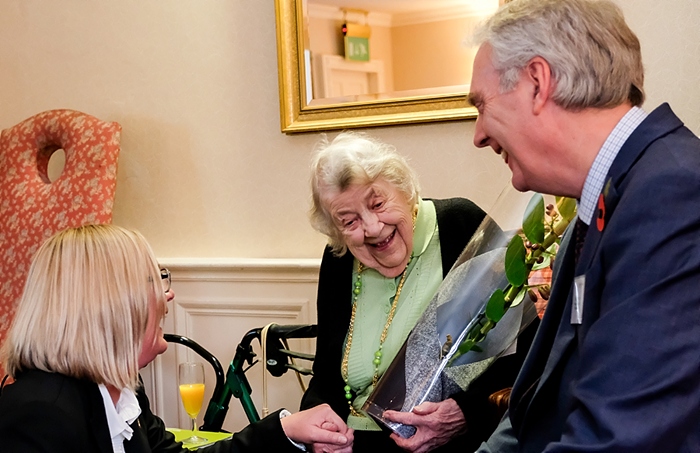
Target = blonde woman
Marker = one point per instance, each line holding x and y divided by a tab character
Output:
89	319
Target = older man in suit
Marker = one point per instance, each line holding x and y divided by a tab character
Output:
615	365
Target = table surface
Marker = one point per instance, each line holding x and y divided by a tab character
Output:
210	437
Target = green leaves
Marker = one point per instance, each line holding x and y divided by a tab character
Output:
533	221
466	346
532	249
519	297
496	306
566	207
516	268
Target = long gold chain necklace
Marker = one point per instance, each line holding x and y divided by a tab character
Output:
348	344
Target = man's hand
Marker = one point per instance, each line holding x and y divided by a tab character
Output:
436	424
321	427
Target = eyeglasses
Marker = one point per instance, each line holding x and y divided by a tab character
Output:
165	278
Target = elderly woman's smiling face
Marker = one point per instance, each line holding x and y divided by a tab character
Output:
376	223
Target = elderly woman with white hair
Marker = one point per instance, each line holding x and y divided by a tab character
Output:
388	251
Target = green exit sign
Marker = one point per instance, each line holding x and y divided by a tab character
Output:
356	48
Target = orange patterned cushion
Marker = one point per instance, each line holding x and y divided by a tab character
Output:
31	207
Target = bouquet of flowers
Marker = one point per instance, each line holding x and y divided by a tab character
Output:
483	304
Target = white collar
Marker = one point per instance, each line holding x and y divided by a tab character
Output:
119	417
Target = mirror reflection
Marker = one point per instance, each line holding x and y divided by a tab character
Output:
364	50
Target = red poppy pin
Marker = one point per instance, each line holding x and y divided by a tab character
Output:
600	221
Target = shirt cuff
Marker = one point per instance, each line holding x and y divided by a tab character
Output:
300	446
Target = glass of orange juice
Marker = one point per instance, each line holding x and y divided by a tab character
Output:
191	382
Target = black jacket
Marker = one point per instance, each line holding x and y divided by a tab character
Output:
49	412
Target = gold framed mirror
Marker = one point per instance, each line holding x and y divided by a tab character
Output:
306	104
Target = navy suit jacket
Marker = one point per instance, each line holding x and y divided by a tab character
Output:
627	378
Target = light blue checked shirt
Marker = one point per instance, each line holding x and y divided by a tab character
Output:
599	170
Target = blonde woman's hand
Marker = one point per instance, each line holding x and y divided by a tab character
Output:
321	428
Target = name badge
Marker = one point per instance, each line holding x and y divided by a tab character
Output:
577	306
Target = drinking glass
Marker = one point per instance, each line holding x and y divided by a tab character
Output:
191	382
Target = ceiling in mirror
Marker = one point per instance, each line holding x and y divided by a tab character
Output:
419	6
416	48
416	67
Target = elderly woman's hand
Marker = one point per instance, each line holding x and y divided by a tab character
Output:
436	424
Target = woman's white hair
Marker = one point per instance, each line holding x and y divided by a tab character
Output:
354	158
594	56
85	306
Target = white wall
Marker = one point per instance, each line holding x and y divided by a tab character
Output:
217	302
204	169
670	40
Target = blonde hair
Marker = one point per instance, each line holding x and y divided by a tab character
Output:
85	306
594	56
354	158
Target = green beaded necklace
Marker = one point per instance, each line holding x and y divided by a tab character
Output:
348	344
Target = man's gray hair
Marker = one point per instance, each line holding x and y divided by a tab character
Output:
594	56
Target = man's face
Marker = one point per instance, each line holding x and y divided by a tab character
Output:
503	122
